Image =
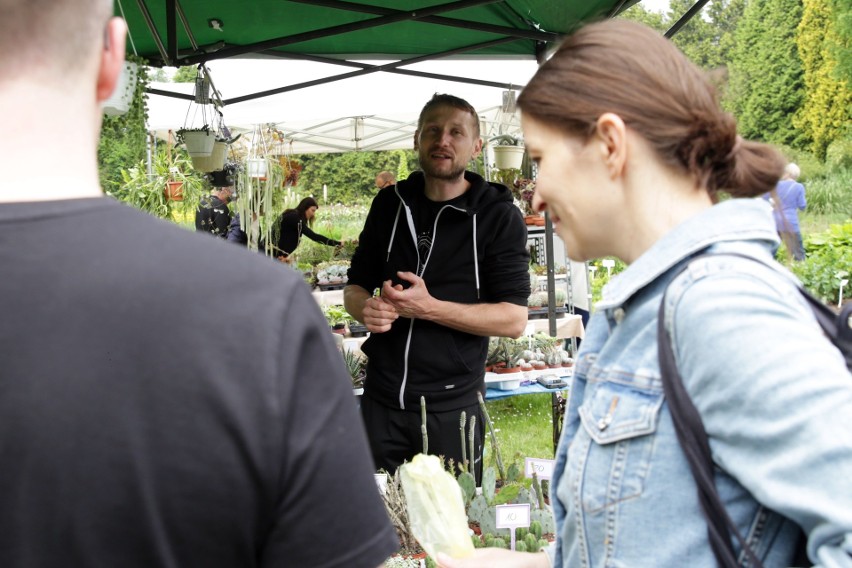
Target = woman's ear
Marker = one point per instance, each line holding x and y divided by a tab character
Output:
112	58
612	135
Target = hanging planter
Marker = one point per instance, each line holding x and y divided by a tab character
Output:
122	97
257	167
174	190
508	157
213	162
199	143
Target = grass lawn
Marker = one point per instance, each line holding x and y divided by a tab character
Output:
523	428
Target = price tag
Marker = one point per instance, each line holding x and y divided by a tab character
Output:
513	516
542	468
381	482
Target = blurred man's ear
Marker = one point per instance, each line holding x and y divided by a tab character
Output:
112	58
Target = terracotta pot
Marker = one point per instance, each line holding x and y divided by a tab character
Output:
505	370
174	190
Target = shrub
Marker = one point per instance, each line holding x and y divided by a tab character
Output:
812	168
828	261
831	195
838	156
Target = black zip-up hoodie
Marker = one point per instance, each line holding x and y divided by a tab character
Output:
418	357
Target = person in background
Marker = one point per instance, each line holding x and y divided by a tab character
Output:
385	179
787	200
297	222
212	215
446	251
128	436
634	173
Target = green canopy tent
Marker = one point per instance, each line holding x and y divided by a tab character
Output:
193	32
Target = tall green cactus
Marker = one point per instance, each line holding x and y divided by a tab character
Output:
493	437
462	421
423	425
471	448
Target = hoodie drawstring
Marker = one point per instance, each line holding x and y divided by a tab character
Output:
393	232
475	258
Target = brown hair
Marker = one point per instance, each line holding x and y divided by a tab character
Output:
49	38
632	71
452	101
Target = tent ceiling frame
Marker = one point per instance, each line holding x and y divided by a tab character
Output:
201	54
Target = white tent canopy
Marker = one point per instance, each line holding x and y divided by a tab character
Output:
370	112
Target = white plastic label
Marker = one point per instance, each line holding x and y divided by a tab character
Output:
542	468
512	516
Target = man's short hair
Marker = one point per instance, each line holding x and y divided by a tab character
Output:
452	101
49	38
386	178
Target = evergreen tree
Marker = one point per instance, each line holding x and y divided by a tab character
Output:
766	80
827	106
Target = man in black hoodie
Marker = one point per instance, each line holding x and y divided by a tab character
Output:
441	265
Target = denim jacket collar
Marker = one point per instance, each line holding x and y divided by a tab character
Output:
732	220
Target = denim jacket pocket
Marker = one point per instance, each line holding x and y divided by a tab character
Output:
619	421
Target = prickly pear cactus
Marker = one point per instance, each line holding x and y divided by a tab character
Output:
468	487
478	509
525	497
545	517
508	494
489	483
513	473
489	522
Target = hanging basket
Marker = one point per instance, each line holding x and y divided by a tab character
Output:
174	190
199	143
508	157
215	161
122	97
257	167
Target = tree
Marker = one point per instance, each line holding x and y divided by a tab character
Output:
843	49
766	80
185	74
827	106
638	13
402	169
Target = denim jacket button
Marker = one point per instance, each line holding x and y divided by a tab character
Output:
618	314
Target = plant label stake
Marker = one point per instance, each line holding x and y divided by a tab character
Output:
542	468
511	517
381	482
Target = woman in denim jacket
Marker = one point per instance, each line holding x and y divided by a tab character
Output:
632	150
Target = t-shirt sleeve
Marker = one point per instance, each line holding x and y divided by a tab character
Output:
329	512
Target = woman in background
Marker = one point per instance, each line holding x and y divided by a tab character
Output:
297	222
790	197
632	149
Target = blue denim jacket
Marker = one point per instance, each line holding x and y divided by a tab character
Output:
775	397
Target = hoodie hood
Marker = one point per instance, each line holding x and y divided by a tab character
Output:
480	195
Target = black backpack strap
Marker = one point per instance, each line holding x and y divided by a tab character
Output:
695	445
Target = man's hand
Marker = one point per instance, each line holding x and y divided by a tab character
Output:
413	302
378	314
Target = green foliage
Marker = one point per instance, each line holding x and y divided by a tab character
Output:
838	155
350	176
146	192
185	74
828	261
766	80
123	138
831	195
403	169
827	106
842	49
600	276
811	166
